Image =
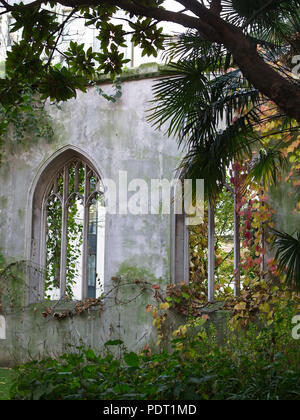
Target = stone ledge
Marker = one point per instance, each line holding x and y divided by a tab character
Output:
144	71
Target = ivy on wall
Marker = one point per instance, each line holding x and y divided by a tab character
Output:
74	235
20	124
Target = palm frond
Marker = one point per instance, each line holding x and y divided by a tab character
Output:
267	166
189	99
273	28
177	96
210	158
288	257
239	12
212	109
191	45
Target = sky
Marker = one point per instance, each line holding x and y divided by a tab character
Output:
168	26
169	4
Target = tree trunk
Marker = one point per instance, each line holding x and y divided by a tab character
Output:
284	92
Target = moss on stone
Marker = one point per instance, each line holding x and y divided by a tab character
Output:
144	71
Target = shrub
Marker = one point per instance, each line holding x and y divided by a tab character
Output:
260	363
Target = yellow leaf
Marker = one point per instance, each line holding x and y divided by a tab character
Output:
240	306
265	307
164	306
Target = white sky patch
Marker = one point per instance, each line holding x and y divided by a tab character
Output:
169	5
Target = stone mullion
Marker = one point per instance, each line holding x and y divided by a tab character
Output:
55	186
85	234
64	233
76	178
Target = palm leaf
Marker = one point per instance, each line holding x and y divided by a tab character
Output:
209	158
214	111
267	166
189	98
288	257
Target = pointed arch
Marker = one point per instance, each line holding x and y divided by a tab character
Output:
65	207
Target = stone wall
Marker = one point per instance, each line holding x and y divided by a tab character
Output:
114	137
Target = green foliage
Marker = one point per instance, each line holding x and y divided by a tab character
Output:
268	166
74	235
272	23
288	256
130	272
31	60
261	363
25	122
42	31
53	245
217	114
6	376
224	214
148	36
74	245
22	66
223	250
11	284
118	91
61	83
36	24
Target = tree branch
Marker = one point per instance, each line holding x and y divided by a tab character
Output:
284	92
60	30
176	17
216	7
13	7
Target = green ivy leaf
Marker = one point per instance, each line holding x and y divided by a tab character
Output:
113	343
131	359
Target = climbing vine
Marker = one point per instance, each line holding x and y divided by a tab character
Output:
12	284
25	122
117	85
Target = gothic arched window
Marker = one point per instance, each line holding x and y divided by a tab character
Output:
71	241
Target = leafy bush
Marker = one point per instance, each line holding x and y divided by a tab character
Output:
6	376
260	363
288	256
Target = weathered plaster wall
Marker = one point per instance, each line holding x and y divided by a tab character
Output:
114	136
